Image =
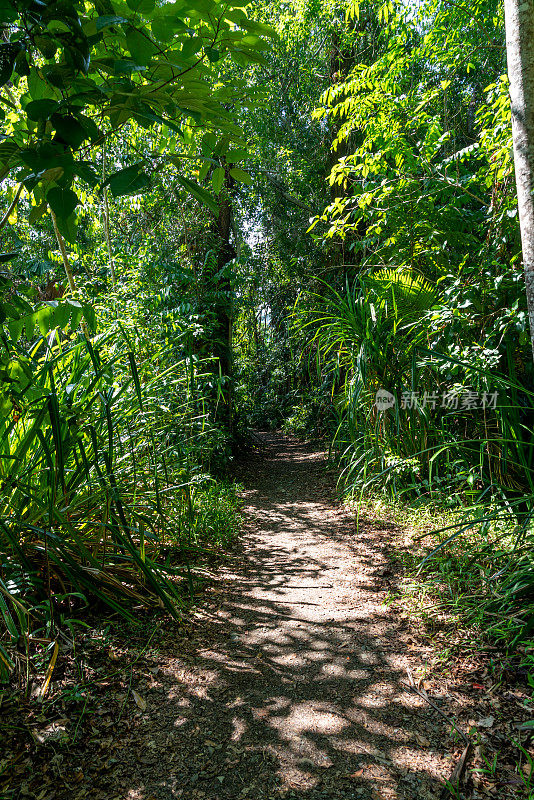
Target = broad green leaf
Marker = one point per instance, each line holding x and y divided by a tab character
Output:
204	169
199	193
203	6
252	40
244	56
62	201
238	17
141	6
86	171
92	130
240	175
164	27
68	229
140	46
125	66
69	130
21	65
89	315
39	88
37	212
41	109
213	54
61	316
75	314
258	27
130	180
29	326
8	12
15	329
7	150
109	20
209	141
47	45
191	46
217	179
45	319
235	155
239	58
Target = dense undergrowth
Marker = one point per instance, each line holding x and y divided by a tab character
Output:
109	458
405	343
360	283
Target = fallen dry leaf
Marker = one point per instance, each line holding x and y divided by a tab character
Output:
139	702
44	688
422	741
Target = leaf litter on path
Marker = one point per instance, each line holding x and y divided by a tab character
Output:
288	681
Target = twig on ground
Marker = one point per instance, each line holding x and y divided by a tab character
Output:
456	775
411	686
458	770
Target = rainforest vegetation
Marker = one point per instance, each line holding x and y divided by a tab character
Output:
222	217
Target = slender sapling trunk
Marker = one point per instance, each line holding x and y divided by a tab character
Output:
519	20
66	264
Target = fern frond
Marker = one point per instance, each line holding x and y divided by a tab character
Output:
404	290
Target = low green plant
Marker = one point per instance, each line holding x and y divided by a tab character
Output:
300	420
217	515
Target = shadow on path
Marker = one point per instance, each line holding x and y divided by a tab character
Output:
295	688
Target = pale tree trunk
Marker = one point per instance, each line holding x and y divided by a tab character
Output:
519	18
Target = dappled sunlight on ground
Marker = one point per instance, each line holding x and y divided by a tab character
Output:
298	686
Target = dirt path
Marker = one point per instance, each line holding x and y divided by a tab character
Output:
295	687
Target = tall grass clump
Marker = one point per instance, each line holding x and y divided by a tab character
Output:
106	449
456	430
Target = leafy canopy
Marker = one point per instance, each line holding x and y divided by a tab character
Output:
74	73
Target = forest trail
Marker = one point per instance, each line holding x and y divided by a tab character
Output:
293	686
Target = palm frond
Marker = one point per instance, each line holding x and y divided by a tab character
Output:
403	290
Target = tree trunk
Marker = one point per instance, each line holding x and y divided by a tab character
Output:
519	19
225	253
219	283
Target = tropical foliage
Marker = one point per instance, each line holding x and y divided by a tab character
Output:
218	217
410	319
